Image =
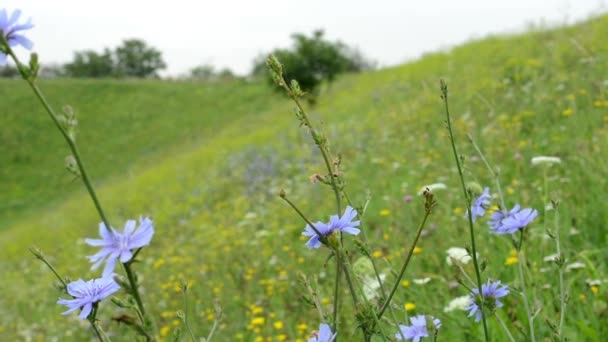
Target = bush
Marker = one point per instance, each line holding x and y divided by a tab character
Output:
313	60
132	59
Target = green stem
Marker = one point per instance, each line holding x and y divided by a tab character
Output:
212	331
367	335
504	326
349	281
85	177
524	293
492	173
38	255
323	150
186	323
562	290
444	95
134	287
405	264
383	291
71	145
336	293
101	336
322	238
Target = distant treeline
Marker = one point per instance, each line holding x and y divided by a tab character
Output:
311	60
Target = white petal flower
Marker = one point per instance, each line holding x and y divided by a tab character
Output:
371	286
457	254
458	303
575	266
551	258
546	160
432	187
422	281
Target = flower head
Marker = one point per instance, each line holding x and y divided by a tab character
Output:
315	241
546	160
344	224
87	293
418	329
9	28
490	292
323	335
478	206
458	255
117	246
458	303
512	221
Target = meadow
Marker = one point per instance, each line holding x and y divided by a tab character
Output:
207	161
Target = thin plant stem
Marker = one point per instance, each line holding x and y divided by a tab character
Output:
186	323
444	96
524	293
212	331
134	287
349	280
383	291
360	287
322	149
336	293
291	204
491	170
562	290
504	326
101	335
85	178
69	141
405	264
38	255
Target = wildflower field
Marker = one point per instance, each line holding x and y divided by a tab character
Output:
207	163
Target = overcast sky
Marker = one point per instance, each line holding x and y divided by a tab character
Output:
231	33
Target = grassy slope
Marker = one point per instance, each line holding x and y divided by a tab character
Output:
542	93
119	123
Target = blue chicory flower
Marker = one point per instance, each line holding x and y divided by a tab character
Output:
478	206
85	294
512	221
343	224
490	292
323	335
117	246
418	329
9	28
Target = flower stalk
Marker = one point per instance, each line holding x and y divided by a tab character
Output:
444	97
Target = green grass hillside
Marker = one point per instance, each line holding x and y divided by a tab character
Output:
120	124
206	162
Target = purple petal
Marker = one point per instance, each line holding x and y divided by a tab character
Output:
142	236
313	242
2	59
13	19
95	242
86	310
110	264
126	256
21	40
3	19
353	231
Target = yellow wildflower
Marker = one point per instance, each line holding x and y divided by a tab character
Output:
164	331
595	289
377	254
410	306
